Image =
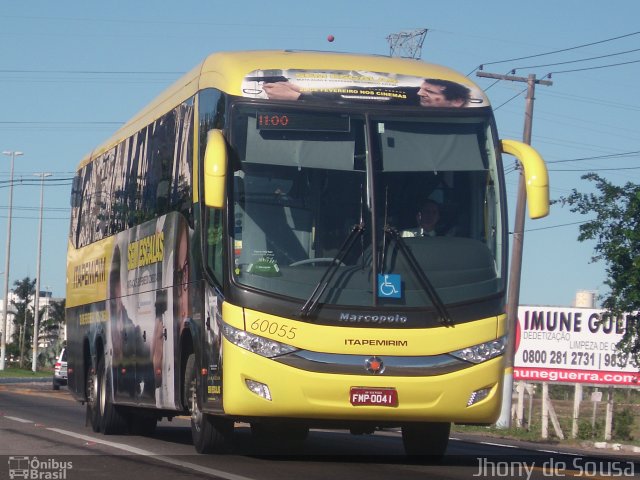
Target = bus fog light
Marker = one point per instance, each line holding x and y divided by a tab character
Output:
478	396
259	389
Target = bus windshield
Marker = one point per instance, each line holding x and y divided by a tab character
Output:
391	210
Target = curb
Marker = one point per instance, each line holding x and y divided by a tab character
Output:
26	380
615	447
585	446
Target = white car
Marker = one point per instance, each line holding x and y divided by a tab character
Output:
60	370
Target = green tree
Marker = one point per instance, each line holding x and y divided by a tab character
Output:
50	331
53	322
23	319
616	232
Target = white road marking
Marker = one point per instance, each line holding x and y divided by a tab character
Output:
138	451
16	419
147	453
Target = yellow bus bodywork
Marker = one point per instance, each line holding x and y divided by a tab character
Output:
298	393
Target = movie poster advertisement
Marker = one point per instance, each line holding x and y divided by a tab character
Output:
353	86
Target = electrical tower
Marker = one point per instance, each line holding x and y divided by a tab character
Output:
407	44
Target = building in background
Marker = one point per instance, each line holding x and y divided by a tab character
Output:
586	299
46	299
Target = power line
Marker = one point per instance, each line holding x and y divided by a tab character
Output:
35	218
31	183
60	122
593	68
27	172
50	209
555	226
96	72
577	61
482	65
597	157
511	99
22	180
613	169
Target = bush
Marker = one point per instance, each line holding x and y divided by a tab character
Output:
623	424
586	431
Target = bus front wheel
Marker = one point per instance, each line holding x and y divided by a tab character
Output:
208	433
426	440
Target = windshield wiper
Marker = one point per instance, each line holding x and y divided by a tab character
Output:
312	302
423	280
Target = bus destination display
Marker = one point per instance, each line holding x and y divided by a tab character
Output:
301	121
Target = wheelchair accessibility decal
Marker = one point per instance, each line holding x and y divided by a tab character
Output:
389	285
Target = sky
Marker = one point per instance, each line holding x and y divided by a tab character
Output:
71	72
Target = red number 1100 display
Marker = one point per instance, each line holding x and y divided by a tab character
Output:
265	120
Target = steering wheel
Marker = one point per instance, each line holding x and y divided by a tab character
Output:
307	261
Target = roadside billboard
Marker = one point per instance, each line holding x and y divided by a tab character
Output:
571	345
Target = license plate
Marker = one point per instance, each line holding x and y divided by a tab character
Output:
381	397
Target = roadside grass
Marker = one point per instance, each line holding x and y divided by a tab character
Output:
533	435
626	421
495	432
15	372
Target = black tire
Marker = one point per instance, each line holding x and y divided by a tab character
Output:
208	433
428	441
112	419
56	385
91	389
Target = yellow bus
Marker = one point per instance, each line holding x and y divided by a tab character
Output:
296	240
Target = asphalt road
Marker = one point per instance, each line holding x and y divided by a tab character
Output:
43	435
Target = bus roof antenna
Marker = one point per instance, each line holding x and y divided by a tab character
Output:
407	44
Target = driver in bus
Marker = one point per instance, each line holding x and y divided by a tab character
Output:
427	221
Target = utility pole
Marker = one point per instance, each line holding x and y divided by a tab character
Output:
513	292
7	264
36	305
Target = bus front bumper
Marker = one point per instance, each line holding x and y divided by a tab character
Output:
255	386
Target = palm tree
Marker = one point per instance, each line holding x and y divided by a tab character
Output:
24	290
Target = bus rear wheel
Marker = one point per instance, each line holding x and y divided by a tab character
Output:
428	441
208	433
112	419
91	388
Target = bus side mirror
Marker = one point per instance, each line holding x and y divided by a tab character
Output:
535	176
215	169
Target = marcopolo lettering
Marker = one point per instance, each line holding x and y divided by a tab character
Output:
371	318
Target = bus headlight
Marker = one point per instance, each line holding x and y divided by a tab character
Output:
255	344
482	352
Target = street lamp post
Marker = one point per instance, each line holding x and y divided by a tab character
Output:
3	343
36	306
1	332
